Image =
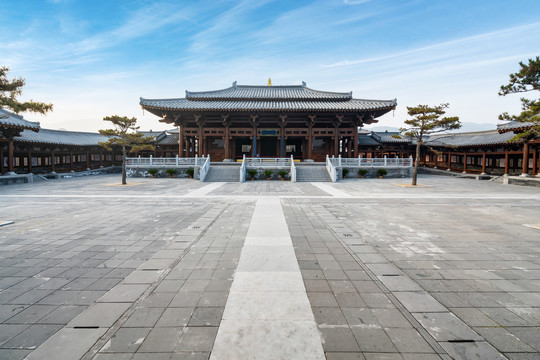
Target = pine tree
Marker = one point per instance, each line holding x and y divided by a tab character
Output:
124	134
527	79
11	89
427	120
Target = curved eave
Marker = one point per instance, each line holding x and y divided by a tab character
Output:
516	129
20	127
278	106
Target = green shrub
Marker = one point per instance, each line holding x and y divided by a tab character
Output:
382	172
345	172
153	172
282	173
190	172
171	172
252	173
362	172
268	173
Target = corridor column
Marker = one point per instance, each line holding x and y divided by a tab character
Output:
310	123
483	163
10	155
282	124
226	123
525	169
506	162
254	124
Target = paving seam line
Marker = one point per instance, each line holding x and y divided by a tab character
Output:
421	330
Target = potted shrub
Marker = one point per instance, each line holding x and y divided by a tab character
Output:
153	172
345	172
252	173
171	172
362	172
282	174
268	174
190	173
382	172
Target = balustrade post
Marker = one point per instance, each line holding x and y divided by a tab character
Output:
359	160
150	159
339	160
139	160
385	161
410	161
397	161
195	159
176	160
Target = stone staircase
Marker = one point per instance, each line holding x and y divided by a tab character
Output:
312	172
223	173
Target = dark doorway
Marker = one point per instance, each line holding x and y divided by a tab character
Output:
268	147
243	147
293	146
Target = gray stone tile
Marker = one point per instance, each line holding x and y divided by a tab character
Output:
175	317
503	340
12	354
408	340
373	340
206	316
338	339
32	337
144	317
475	350
161	339
125	340
446	326
198	339
31	314
9	331
62	315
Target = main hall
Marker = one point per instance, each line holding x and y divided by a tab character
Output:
268	121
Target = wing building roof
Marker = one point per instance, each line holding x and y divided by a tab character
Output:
516	126
477	138
61	137
9	119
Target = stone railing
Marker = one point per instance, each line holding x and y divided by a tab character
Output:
203	171
168	162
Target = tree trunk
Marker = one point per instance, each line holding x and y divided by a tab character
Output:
124	182
416	162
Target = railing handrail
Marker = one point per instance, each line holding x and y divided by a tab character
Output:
330	167
153	161
293	170
203	171
254	161
243	169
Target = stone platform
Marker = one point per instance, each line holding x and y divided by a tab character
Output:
360	269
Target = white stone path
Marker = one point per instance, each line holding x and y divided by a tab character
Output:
268	315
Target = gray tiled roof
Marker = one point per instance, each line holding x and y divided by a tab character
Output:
477	138
61	137
169	139
266	105
367	140
516	125
9	119
388	137
290	92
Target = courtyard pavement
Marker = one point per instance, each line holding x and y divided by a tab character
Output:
360	269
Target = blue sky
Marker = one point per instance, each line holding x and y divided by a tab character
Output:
96	58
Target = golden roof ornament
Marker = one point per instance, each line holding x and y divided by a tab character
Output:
269	82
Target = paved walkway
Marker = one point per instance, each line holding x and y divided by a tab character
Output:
361	269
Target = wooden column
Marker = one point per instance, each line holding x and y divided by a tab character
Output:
483	162
53	160
101	158
10	155
88	159
200	123
282	124
71	160
535	160
310	123
464	162
181	141
525	168
449	160
1	160
254	124
337	123
506	162
226	123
